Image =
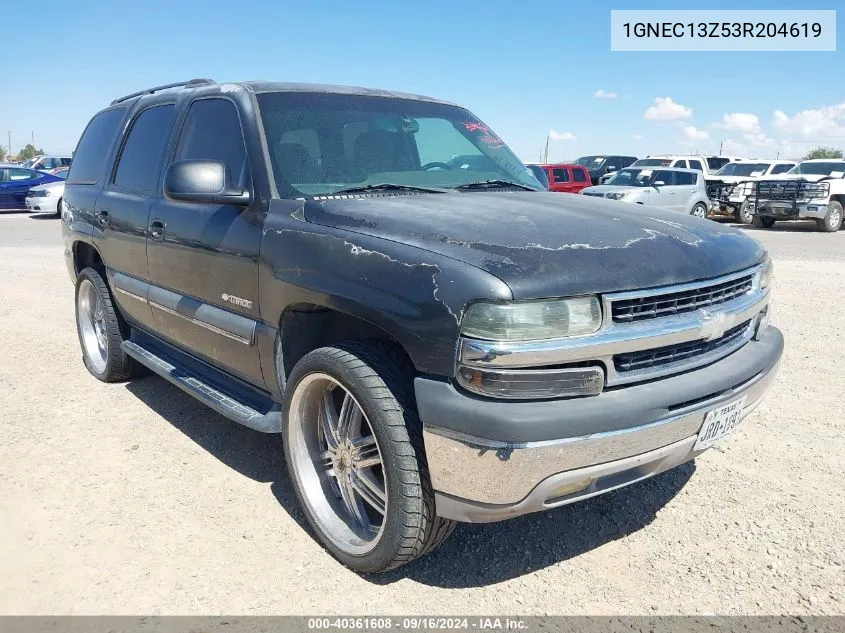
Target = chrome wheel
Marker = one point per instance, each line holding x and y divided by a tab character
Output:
91	313
835	216
699	211
337	461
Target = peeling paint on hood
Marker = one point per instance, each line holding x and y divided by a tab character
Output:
549	244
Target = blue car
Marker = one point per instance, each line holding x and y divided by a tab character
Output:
15	182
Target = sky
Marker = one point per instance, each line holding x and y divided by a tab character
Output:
529	70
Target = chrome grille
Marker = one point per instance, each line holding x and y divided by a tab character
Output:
595	195
671	354
670	303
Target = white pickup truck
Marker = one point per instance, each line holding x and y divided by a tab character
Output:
729	188
813	189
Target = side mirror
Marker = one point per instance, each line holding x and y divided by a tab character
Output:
611	168
202	181
658	183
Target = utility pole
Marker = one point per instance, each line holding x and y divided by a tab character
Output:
720	147
10	142
33	138
546	155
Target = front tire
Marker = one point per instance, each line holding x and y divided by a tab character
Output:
832	221
699	210
743	214
353	446
763	223
101	329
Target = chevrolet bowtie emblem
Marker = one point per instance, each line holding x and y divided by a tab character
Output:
713	324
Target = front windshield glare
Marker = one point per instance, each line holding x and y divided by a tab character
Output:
742	169
818	169
631	178
321	143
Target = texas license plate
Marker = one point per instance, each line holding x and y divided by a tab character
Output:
719	423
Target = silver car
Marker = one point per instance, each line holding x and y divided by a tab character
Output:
681	190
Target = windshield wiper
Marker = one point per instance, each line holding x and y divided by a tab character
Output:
494	184
386	186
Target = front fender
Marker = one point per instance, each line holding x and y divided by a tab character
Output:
416	296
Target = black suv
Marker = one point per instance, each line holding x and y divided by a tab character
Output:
377	277
602	165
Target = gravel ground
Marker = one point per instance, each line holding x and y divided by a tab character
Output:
130	499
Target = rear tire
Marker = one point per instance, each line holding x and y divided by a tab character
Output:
832	221
101	329
763	223
743	215
59	208
699	210
372	508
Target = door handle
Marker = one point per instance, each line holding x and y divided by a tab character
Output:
103	217
157	230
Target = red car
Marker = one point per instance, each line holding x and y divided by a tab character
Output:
567	178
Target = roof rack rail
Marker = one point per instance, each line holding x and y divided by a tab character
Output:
192	83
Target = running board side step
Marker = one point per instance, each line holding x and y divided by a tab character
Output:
193	384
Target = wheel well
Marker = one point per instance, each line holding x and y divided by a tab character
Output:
305	327
86	256
840	198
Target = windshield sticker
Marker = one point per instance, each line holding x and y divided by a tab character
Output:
598	159
837	174
645	173
485	135
754	174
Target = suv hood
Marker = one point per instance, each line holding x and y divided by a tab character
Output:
549	244
735	179
807	177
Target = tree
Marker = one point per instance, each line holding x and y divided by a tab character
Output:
823	152
2	153
28	152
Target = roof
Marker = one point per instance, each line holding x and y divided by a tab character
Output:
824	160
260	87
281	86
556	165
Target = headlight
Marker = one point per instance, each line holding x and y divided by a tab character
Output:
768	274
615	195
535	320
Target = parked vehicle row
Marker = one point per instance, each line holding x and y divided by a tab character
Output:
16	183
759	191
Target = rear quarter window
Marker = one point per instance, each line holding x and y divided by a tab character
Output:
94	148
580	174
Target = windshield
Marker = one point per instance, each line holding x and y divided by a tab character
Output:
29	163
818	169
591	162
653	162
742	169
323	143
631	178
716	162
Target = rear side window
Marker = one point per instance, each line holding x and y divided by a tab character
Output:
580	174
695	164
680	163
92	152
560	175
684	178
666	177
212	131
782	169
137	167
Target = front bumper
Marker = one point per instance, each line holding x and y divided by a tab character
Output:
790	210
41	203
491	460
